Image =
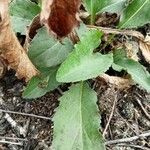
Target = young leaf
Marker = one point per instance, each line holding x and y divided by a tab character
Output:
38	86
22	12
135	69
76	122
45	51
82	63
136	14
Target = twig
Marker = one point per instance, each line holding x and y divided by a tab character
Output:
25	114
142	107
60	91
127	123
12	143
118	31
13	123
134	146
13	138
124	140
111	115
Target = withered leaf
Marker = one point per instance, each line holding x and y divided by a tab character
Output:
117	82
145	48
10	47
60	16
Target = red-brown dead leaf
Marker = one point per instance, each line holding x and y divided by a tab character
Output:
60	16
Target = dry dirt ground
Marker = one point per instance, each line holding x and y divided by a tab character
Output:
124	114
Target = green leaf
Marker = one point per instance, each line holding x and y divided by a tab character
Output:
115	6
46	51
40	85
136	14
82	63
22	12
93	6
117	67
98	6
81	30
135	69
76	122
19	24
33	90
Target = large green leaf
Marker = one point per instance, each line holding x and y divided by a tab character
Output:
22	12
46	51
135	69
76	122
82	63
40	85
136	14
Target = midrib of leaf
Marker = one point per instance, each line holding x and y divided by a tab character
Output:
81	116
135	13
81	95
81	119
92	13
80	113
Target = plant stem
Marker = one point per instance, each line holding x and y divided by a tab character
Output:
92	20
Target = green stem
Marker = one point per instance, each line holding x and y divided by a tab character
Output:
92	19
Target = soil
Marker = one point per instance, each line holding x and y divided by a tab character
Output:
128	119
38	132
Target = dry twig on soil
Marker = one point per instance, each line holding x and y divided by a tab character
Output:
13	138
111	115
142	107
12	143
14	124
25	114
134	146
118	31
130	139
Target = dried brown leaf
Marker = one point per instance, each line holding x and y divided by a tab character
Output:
133	33
3	67
107	19
118	82
32	31
60	16
145	48
10	47
132	49
33	27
